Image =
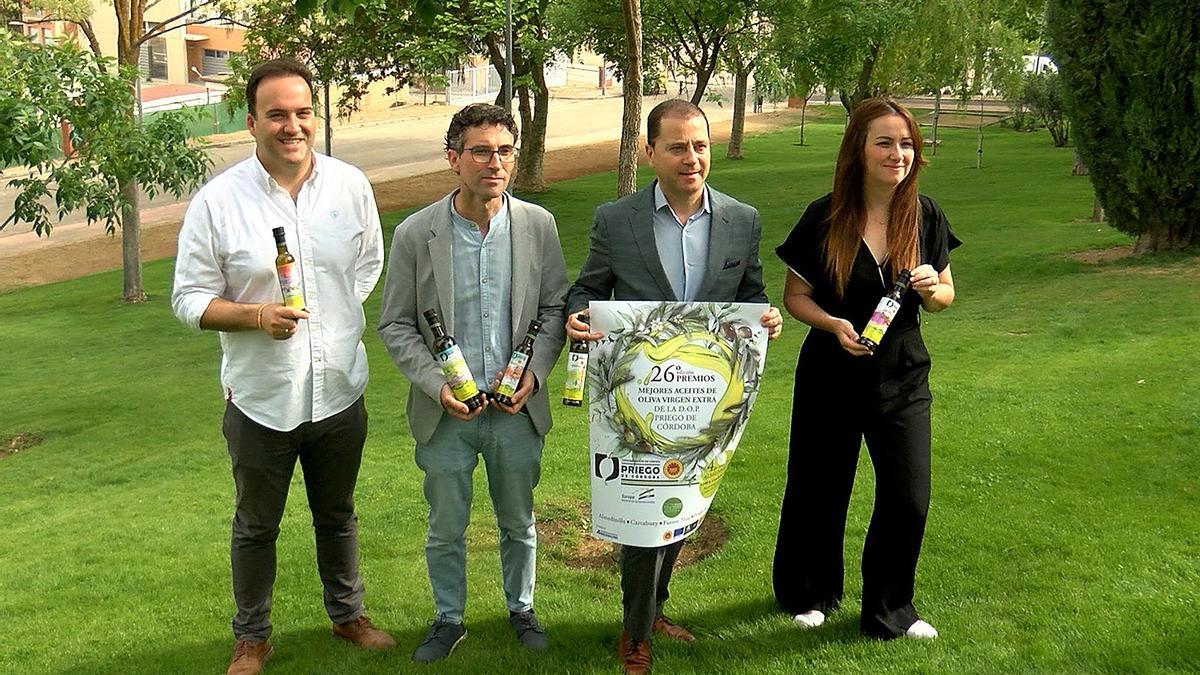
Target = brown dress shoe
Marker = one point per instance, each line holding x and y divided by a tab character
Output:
249	657
635	655
364	634
668	628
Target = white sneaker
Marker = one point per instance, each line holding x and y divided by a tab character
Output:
810	619
921	630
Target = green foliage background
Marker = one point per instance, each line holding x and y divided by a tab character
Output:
1131	75
1062	536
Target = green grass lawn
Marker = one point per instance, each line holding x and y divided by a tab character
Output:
1062	536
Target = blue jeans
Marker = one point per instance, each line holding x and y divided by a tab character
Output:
512	454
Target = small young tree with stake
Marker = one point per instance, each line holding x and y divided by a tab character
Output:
43	86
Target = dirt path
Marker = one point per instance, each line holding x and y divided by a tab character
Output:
78	259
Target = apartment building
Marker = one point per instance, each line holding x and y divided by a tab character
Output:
179	56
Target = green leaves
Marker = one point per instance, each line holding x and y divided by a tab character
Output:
46	88
1130	88
1042	94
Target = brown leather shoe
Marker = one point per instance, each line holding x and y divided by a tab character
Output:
635	655
249	657
669	629
363	634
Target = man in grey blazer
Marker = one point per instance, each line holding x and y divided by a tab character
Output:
489	264
677	239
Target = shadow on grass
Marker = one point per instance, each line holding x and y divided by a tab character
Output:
761	620
490	647
298	651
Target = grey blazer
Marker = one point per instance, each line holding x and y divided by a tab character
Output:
622	261
420	276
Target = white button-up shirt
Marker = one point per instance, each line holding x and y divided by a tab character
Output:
226	250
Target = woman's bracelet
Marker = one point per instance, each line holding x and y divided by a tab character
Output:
258	320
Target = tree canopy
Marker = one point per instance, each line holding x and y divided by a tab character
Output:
1130	72
44	86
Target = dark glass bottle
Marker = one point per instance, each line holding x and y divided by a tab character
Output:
289	276
885	311
517	364
453	364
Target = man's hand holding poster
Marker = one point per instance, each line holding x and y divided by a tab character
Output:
671	388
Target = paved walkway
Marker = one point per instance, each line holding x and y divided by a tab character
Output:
406	141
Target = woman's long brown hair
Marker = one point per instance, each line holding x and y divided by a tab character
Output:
847	209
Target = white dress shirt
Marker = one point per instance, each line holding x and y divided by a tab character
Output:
226	250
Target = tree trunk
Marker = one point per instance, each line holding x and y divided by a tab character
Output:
741	81
131	251
704	73
862	88
631	86
937	112
524	113
530	177
1166	236
90	33
1080	168
803	113
130	29
328	124
1097	210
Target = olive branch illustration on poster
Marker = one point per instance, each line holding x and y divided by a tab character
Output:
710	338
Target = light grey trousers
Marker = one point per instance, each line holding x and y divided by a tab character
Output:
512	453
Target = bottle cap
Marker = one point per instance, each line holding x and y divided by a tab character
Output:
279	235
431	316
534	326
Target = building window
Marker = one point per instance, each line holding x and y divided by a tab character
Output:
215	63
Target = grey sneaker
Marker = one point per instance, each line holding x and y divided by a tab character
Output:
443	637
529	631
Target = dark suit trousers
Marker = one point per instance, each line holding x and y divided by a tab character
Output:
645	576
808	569
263	459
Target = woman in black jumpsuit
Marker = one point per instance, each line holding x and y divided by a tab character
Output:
844	394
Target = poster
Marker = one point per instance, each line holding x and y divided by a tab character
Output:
671	386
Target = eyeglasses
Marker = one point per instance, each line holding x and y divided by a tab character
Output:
482	155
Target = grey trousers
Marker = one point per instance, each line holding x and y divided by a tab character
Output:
645	576
263	460
512	453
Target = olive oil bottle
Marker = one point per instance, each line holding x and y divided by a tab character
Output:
453	364
289	276
517	364
885	311
577	360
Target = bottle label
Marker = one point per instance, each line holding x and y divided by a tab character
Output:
576	376
458	375
885	311
289	283
512	374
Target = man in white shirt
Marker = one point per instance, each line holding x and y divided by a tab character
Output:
293	378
